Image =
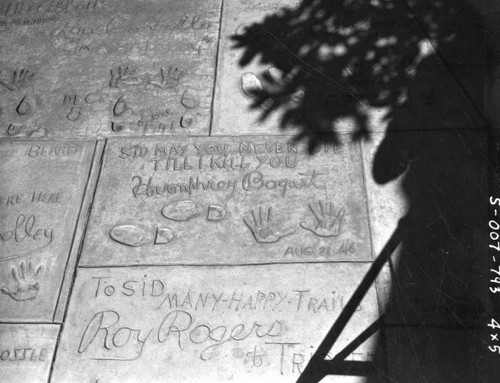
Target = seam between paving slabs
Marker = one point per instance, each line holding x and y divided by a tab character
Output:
98	170
117	266
97	167
367	204
29	323
382	336
54	354
56	347
216	70
56	317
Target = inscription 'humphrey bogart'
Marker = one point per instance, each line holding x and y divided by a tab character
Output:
254	180
252	158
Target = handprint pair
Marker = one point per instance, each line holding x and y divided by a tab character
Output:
26	282
266	229
124	75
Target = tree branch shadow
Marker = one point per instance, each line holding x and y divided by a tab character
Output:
330	65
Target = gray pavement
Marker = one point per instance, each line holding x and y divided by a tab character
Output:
248	191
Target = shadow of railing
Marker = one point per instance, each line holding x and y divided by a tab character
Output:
318	366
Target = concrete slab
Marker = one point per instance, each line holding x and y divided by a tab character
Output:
433	187
295	68
95	67
227	200
40	202
244	324
233	92
26	352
